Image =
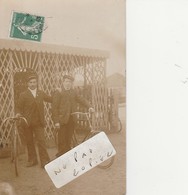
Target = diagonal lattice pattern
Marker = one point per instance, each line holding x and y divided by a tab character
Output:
50	68
6	97
99	94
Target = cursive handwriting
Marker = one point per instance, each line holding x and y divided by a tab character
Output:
77	170
57	171
75	156
80	159
75	173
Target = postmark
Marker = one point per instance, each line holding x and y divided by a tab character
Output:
80	159
27	26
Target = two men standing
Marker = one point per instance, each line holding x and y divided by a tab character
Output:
31	106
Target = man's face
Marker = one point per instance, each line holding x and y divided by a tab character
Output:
32	84
67	84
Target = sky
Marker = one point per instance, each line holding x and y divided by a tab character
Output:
95	24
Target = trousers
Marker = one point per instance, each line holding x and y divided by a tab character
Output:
65	134
38	133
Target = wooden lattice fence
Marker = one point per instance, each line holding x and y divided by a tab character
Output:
50	67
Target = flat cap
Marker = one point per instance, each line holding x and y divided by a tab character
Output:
68	77
31	76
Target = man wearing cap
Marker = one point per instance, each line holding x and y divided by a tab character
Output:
63	104
31	106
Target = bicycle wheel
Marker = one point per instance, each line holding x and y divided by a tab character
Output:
115	128
107	163
14	152
119	125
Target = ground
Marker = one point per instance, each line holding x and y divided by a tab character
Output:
35	180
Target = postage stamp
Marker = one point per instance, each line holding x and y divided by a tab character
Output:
27	26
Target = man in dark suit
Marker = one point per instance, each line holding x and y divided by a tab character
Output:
31	106
63	104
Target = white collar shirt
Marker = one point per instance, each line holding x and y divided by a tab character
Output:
34	92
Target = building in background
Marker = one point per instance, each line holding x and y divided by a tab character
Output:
116	82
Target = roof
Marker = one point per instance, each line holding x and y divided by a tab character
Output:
15	44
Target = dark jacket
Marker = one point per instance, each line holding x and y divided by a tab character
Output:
27	105
64	103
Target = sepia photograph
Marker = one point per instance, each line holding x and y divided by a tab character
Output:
62	97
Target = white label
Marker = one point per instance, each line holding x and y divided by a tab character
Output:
80	159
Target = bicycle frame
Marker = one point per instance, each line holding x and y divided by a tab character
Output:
91	133
91	130
87	117
14	149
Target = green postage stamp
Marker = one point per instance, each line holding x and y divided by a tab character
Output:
26	26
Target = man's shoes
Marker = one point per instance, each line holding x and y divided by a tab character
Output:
31	163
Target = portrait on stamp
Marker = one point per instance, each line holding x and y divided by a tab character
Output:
26	26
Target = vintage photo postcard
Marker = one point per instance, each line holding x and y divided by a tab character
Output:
62	97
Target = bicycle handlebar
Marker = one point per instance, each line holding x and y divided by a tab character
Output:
87	116
83	113
15	119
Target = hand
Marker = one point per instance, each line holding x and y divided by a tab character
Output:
91	110
57	126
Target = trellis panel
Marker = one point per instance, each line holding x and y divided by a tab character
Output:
99	94
6	96
51	67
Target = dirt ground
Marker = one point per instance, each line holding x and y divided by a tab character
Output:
35	180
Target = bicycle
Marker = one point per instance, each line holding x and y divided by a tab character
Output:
117	128
14	139
106	164
114	122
